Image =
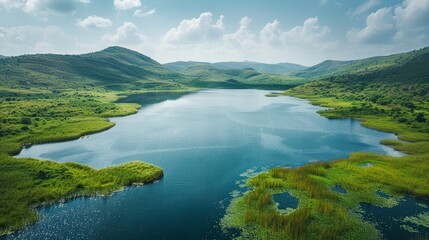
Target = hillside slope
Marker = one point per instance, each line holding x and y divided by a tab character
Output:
362	66
279	68
399	93
113	68
209	76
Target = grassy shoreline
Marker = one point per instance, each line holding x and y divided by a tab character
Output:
322	212
26	183
45	182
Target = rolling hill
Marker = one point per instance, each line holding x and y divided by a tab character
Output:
279	68
399	90
114	68
210	76
363	66
117	68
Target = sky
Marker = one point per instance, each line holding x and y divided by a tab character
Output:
270	31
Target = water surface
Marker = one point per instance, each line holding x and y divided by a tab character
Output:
203	141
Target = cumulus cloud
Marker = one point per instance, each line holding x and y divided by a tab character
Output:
84	1
31	39
409	19
60	6
242	38
365	7
94	22
141	13
310	32
127	33
194	30
379	27
31	6
126	4
205	38
9	4
271	34
412	14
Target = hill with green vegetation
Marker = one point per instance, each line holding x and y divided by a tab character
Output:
209	76
47	98
363	66
393	99
279	68
114	68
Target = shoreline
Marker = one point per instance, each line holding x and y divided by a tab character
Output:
241	213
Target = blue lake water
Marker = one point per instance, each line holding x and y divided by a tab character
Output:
203	141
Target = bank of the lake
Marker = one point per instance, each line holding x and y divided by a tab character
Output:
194	139
363	178
26	184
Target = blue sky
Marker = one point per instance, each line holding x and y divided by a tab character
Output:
304	32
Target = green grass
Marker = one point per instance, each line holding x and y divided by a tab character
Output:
387	99
323	213
33	117
40	118
28	183
368	65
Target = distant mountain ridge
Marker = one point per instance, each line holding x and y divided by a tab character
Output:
211	76
118	68
279	68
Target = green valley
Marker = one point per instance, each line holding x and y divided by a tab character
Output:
48	98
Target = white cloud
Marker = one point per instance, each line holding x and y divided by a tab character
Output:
84	1
140	13
271	34
242	38
9	4
94	22
198	29
413	14
127	33
365	7
126	4
379	28
32	6
310	40
405	22
31	39
310	32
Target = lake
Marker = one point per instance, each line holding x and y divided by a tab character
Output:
204	141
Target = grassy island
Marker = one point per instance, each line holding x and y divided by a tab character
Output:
38	117
28	183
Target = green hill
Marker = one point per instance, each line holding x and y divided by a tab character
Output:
363	66
398	93
181	66
279	68
114	68
209	76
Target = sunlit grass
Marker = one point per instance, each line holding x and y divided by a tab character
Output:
323	213
28	183
33	117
